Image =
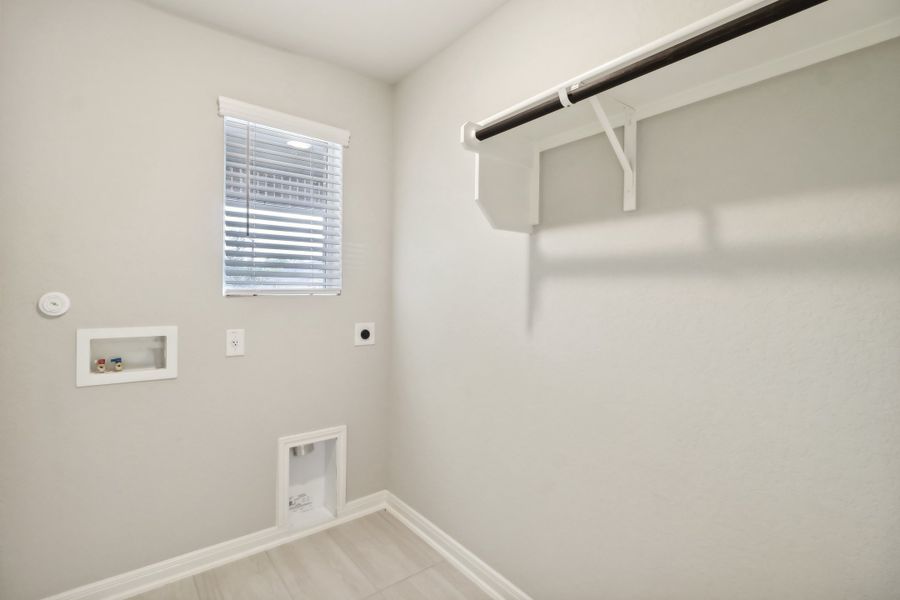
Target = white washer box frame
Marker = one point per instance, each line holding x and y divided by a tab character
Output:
339	435
85	376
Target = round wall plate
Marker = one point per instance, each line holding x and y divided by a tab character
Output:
54	304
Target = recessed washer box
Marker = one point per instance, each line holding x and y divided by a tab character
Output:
146	353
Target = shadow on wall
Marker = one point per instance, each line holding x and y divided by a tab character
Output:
795	175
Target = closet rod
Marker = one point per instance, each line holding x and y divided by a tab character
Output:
751	21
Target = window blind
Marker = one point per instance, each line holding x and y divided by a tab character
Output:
282	211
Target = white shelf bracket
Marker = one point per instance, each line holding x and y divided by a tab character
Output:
534	195
627	156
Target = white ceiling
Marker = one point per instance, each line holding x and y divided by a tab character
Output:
383	38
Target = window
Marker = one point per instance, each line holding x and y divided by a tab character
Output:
282	203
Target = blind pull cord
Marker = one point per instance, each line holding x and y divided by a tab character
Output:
247	182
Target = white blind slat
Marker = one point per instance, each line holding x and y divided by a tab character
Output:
282	210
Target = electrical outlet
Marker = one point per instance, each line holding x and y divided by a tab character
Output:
234	342
364	334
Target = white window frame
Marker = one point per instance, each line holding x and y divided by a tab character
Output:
236	109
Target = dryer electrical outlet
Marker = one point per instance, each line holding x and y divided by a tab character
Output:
364	334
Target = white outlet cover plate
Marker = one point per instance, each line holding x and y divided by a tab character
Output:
357	334
234	342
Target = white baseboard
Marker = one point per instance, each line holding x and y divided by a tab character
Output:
157	575
365	505
480	573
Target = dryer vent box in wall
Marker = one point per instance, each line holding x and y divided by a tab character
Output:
125	355
311	478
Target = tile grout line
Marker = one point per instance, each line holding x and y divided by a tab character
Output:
350	558
278	571
420	571
378	590
387	513
196	587
281	577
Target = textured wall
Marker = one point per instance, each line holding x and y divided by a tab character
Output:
699	400
111	189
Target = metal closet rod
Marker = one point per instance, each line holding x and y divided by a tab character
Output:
703	41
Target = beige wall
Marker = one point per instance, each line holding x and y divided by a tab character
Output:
698	400
695	401
111	188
